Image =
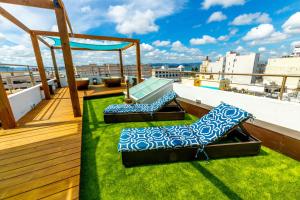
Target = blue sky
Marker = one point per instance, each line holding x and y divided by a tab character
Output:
169	30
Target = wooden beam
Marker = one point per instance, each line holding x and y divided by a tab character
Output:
61	3
128	46
282	87
85	36
55	67
40	64
44	42
64	36
138	62
48	4
6	115
121	65
14	20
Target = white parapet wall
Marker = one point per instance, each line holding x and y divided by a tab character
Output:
24	101
282	113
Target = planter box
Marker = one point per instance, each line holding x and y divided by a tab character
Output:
112	81
82	84
235	144
170	112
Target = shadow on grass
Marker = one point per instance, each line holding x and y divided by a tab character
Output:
89	179
216	181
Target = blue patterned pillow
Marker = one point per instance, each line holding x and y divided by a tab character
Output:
218	122
161	102
142	139
128	108
135	108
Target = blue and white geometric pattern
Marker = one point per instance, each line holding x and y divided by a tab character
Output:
206	130
142	108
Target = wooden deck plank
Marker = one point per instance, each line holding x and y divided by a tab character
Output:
22	150
42	165
51	189
24	178
41	157
70	144
69	194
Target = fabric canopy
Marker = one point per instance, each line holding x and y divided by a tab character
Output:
99	47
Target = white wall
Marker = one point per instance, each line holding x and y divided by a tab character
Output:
273	111
241	64
24	101
289	65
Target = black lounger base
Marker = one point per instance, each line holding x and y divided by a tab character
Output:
170	112
235	144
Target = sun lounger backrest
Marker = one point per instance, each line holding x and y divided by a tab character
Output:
218	122
164	100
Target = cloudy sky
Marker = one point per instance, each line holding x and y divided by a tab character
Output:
170	30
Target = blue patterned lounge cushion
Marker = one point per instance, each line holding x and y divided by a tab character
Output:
206	130
136	108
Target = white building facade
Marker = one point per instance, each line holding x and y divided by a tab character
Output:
283	66
235	63
243	64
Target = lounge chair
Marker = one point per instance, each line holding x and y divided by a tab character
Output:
183	143
158	110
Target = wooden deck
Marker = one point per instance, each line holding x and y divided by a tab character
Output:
41	158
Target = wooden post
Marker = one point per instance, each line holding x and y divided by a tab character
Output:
55	67
31	76
40	64
121	65
6	115
138	62
64	36
282	87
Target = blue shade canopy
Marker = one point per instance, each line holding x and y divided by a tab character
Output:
99	47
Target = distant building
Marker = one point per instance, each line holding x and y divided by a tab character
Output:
98	71
170	73
244	64
296	51
235	63
283	66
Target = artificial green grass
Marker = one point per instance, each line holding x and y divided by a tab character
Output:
270	175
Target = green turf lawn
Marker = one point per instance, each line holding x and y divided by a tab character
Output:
270	175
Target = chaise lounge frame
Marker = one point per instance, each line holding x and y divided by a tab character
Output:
169	112
246	146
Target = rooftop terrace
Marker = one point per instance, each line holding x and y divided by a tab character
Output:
45	157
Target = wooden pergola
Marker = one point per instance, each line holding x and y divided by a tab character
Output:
64	26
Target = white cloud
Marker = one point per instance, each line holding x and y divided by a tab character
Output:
293	44
223	38
260	32
233	31
216	17
161	43
240	49
54	28
262	49
146	47
251	18
179	47
283	10
86	9
2	37
139	17
264	34
206	4
292	25
206	39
